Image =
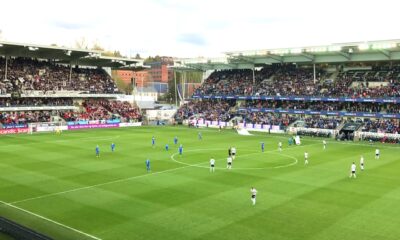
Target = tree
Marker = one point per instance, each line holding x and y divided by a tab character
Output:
81	43
97	47
137	56
150	59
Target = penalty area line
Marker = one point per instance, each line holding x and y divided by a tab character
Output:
50	220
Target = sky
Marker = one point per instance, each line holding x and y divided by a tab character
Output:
188	28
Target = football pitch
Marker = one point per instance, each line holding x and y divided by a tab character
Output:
55	185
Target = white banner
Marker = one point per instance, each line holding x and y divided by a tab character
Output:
380	135
136	124
160	114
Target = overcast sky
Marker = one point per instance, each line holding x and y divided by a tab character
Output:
188	28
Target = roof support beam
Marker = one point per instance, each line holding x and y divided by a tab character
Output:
308	56
275	57
346	55
386	53
247	59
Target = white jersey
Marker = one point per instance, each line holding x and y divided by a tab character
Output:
233	150
229	159
324	142
362	160
280	144
253	192
353	167
305	155
377	151
212	161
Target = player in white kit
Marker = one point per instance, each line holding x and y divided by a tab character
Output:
306	158
353	170
233	152
280	146
362	163
377	153
253	195
324	143
212	165
229	163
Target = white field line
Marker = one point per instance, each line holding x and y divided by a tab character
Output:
49	220
125	179
97	185
11	204
242	155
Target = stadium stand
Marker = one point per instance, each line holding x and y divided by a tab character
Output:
209	110
293	94
289	80
26	74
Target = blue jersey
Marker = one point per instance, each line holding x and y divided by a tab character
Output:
112	147
175	140
166	147
262	146
153	141
147	164
97	150
180	149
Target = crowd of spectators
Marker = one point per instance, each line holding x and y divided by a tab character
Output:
290	80
92	109
384	139
284	120
314	133
342	87
209	110
275	119
95	110
124	110
24	117
234	82
319	122
25	74
35	102
104	110
325	106
381	126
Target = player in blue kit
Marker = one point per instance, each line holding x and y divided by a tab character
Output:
97	151
180	149
166	147
148	165
175	140
153	141
262	146
112	147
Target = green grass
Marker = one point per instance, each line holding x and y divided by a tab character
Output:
59	178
